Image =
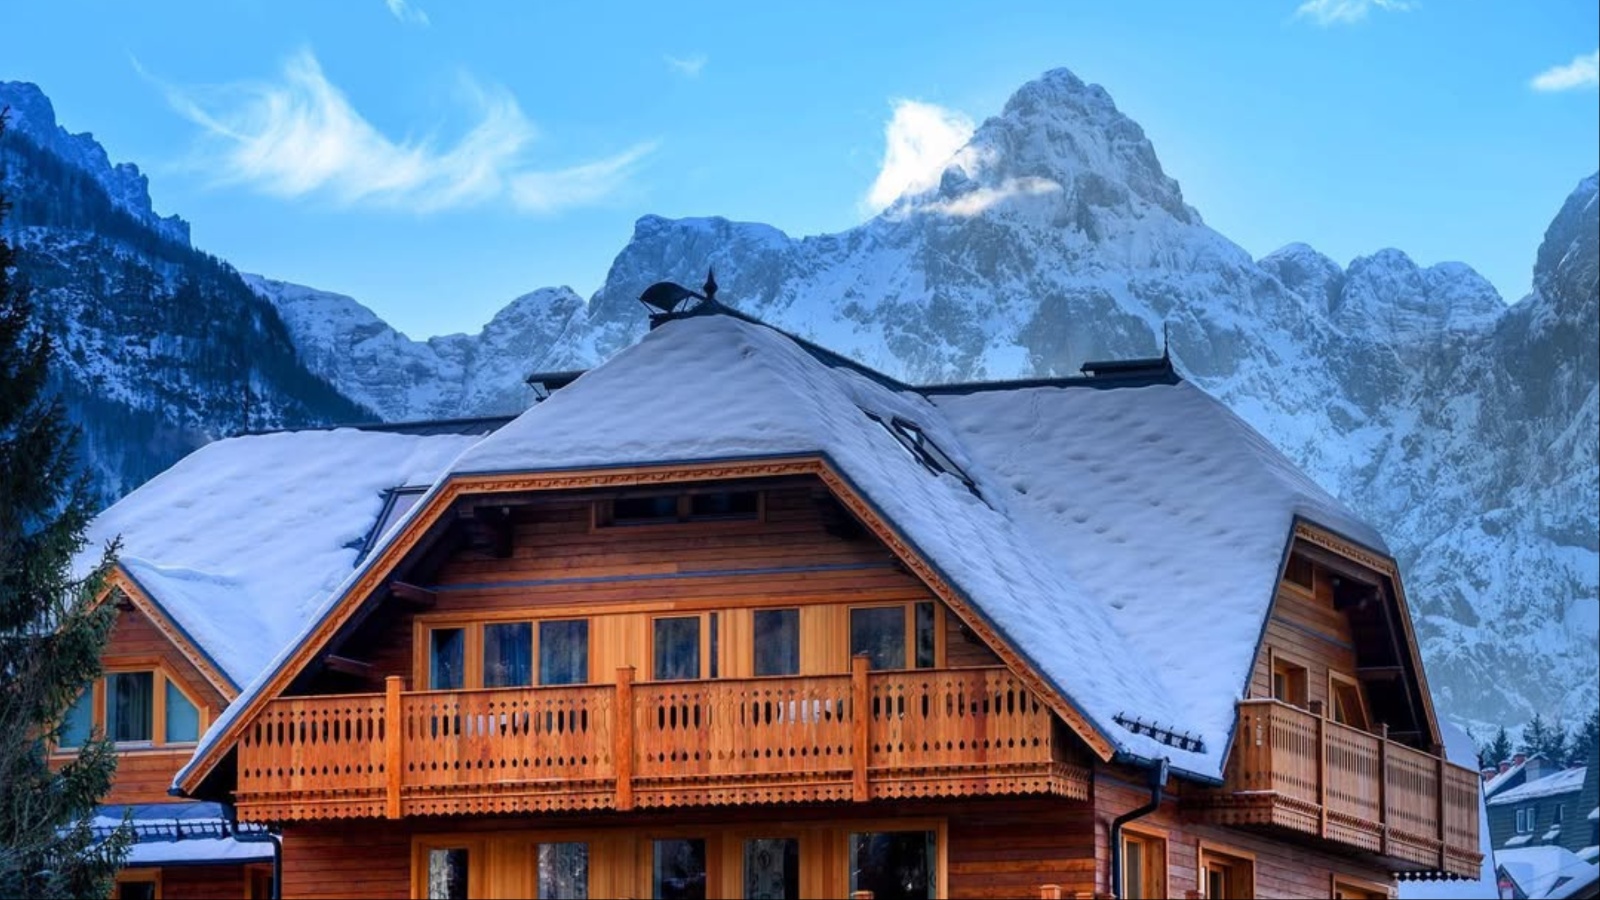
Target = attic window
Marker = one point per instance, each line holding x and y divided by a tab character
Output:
1298	572
923	449
674	509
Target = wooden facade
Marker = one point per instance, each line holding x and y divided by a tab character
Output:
399	762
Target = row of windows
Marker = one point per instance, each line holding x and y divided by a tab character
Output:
1528	817
1290	684
892	865
133	708
556	651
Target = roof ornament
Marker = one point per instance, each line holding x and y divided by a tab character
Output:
666	299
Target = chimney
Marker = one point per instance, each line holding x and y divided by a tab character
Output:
1504	767
1488	772
1519	759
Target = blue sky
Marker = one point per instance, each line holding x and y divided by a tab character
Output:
436	159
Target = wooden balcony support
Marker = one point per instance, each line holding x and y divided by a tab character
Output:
1293	771
628	745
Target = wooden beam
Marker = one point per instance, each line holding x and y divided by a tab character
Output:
348	666
1379	673
622	734
860	715
394	757
413	596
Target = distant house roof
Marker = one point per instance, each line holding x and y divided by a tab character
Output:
1567	781
239	541
1547	871
1051	543
1503	779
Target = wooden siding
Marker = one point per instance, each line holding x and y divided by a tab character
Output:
203	882
1306	630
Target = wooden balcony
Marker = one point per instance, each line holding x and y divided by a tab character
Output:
1295	772
857	737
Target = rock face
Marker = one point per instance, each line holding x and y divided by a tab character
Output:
160	348
1463	428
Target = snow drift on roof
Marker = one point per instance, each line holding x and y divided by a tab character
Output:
241	539
1547	871
1566	781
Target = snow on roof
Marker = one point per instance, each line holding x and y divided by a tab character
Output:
1460	749
1499	781
1594	814
1566	781
1170	511
1547	871
241	539
180	833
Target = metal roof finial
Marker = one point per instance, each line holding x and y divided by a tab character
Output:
710	287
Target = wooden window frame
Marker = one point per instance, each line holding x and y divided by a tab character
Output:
940	828
1274	658
1149	834
799	639
472	647
1338	881
1229	855
910	627
161	675
602	515
704	615
256	873
1337	680
1304	590
477	847
150	875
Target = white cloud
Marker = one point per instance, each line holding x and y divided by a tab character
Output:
300	136
1582	72
983	199
405	12
687	66
918	141
1346	12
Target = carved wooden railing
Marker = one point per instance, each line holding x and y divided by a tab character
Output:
833	737
1298	770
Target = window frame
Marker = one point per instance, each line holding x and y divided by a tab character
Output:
1148	835
710	622
477	860
140	875
160	676
1338	681
473	644
1340	882
1229	857
941	847
602	515
1302	672
799	639
1305	589
910	619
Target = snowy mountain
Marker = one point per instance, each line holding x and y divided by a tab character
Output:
1465	429
159	348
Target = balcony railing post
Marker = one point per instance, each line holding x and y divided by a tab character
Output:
622	733
860	719
394	748
1322	769
1383	788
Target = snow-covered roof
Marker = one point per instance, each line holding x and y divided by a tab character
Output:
1546	872
1594	814
240	540
1037	549
1459	749
1566	781
190	833
1501	779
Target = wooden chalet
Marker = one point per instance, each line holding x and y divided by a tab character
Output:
730	616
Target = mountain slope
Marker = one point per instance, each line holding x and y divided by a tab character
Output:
160	348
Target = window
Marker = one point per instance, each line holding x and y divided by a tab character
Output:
1288	682
563	871
506	654
1561	809
777	642
676	648
447	873
679	508
135	707
131	885
881	633
1225	876
771	869
260	882
678	869
923	449
1144	866
1349	708
1527	818
1299	572
1345	888
894	865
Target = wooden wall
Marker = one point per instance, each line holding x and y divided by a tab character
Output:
203	882
1305	629
561	565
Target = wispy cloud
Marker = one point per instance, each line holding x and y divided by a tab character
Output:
1346	12
405	12
299	136
1582	72
983	199
919	140
687	66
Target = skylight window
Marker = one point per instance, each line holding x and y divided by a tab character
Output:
923	449
396	503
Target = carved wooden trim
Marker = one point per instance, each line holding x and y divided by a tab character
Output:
120	580
383	563
1350	550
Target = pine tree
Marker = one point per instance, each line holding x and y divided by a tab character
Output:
1499	749
1535	737
1584	739
51	629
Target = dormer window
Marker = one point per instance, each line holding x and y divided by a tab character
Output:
679	508
923	449
135	708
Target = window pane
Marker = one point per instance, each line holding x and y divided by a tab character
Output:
893	865
772	869
564	871
447	650
678	870
713	660
75	729
1133	886
508	655
777	642
183	720
924	635
564	652
130	705
447	873
136	890
724	505
677	648
644	510
880	633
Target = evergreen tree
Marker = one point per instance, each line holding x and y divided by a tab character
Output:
1535	735
51	629
1497	750
1584	739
